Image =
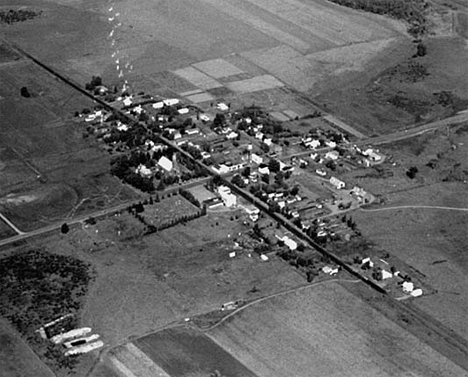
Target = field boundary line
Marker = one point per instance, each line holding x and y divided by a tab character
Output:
277	294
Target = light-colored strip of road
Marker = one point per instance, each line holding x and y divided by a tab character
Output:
121	367
153	369
295	289
414	207
11	225
259	24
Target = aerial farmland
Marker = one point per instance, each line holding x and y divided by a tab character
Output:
233	188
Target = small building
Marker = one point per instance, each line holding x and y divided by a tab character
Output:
127	101
338	184
229	199
417	292
408	287
183	110
330	271
171	101
330	144
222	106
256	159
192	131
386	275
332	155
320	172
290	243
165	163
232	135
143	171
264	170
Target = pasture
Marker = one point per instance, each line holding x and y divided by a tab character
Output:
313	330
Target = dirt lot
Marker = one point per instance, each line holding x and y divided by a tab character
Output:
315	327
16	358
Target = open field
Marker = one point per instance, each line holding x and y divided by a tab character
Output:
144	283
47	169
432	240
317	329
16	358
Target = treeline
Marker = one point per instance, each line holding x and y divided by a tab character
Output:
11	16
411	11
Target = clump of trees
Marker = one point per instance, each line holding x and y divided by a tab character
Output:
95	82
411	11
12	16
38	287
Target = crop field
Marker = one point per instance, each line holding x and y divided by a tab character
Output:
312	330
16	358
184	352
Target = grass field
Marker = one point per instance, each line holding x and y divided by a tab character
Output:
16	358
313	331
5	230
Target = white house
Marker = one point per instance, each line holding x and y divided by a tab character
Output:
222	106
192	131
144	171
184	110
337	183
256	159
408	287
290	243
264	170
127	101
232	135
171	101
165	163
332	155
122	127
320	172
228	198
330	144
